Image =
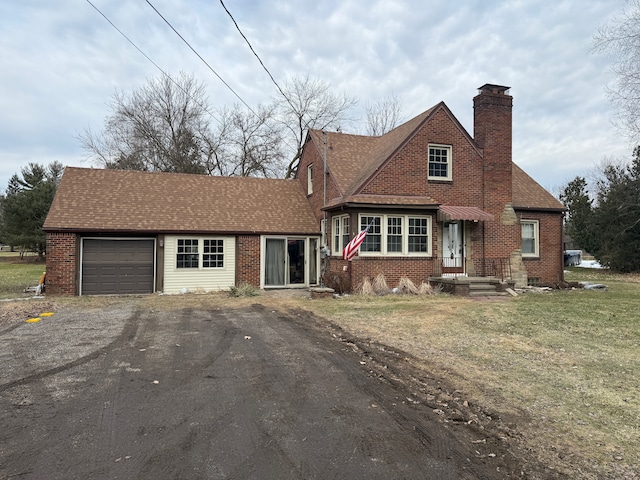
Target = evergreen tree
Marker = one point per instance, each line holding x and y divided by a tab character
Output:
26	204
579	211
615	221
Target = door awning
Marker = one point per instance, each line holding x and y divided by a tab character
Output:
454	212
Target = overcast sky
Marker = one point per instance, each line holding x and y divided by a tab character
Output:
61	62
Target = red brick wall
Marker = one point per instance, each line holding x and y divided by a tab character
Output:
248	260
407	172
313	157
549	267
61	264
416	269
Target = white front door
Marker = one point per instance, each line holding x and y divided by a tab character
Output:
452	247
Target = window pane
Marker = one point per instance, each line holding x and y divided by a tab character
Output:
373	239
336	236
345	231
527	230
438	162
529	238
528	245
213	254
418	235
187	256
394	234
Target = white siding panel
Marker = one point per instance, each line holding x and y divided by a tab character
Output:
194	280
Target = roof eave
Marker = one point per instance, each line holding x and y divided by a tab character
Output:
94	231
396	206
541	209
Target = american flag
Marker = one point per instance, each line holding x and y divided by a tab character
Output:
352	247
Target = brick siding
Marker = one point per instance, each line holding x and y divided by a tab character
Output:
248	260
549	266
61	263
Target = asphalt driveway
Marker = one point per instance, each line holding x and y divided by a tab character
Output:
207	394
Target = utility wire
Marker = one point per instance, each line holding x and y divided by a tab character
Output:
257	56
200	57
154	63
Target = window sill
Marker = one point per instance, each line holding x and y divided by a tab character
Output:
395	255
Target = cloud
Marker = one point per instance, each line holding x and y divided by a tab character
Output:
63	61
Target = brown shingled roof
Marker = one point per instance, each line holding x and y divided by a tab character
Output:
395	200
347	155
529	194
352	159
132	201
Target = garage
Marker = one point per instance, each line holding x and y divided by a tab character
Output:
117	266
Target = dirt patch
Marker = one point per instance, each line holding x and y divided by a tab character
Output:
492	436
14	312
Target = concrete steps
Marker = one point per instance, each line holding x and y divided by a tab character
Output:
472	286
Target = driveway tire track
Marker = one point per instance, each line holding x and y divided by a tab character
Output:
128	333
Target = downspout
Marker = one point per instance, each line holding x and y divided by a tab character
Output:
324	204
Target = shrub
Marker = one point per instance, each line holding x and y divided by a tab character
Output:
340	282
380	286
243	290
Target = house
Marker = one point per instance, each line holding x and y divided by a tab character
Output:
439	203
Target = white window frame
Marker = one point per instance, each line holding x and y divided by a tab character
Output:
449	163
200	252
384	232
536	238
309	179
339	238
191	249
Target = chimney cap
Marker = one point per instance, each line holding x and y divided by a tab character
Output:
490	88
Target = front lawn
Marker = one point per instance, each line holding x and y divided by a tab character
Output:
563	367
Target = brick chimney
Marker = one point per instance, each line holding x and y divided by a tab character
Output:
492	132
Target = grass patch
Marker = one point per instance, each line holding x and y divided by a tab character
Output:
15	276
563	366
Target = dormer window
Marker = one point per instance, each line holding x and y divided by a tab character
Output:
440	162
309	179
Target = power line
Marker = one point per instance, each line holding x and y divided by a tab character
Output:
154	63
169	76
256	55
200	57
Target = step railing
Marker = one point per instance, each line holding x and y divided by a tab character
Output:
482	267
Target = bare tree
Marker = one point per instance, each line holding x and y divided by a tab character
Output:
253	142
163	126
309	104
383	115
620	39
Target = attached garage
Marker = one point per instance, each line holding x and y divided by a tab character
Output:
117	266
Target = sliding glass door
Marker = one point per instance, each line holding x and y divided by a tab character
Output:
290	261
275	262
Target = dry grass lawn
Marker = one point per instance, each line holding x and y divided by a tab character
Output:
563	366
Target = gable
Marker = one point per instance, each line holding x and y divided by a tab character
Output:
96	200
406	171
